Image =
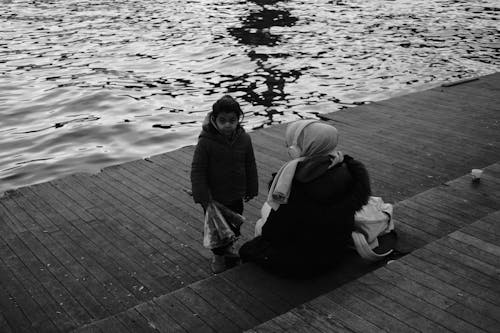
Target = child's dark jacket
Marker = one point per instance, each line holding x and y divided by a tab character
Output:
224	168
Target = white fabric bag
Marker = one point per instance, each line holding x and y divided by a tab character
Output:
372	220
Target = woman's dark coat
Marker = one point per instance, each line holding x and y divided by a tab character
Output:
309	234
224	168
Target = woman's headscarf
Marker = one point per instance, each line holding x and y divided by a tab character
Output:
305	139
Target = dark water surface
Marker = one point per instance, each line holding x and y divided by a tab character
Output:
90	83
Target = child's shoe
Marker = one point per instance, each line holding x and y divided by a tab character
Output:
232	258
218	264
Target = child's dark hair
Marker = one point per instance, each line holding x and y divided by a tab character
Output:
226	104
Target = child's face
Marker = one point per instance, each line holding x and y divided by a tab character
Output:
226	123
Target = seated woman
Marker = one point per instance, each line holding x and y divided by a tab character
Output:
311	205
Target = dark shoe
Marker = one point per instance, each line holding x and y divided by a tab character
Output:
218	264
232	260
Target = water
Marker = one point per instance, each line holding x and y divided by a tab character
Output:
90	83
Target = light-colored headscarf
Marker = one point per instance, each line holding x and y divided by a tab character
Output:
313	138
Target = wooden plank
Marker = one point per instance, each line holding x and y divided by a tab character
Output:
141	205
117	224
464	259
157	318
18	216
93	244
4	325
68	266
243	299
156	241
224	304
333	315
396	275
134	321
241	277
290	322
267	327
315	320
470	250
483	235
451	206
103	239
8	220
172	167
468	307
129	206
181	210
431	226
32	253
428	213
16	272
483	203
476	242
460	276
54	287
109	288
88	329
112	325
367	311
407	315
411	237
69	281
190	321
488	224
216	320
416	297
171	234
443	121
486	192
17	309
136	246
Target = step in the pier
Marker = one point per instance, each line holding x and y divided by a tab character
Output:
449	285
247	296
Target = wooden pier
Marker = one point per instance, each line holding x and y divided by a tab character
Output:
121	250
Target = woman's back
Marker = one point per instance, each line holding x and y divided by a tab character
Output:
319	214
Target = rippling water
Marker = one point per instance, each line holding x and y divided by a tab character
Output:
89	83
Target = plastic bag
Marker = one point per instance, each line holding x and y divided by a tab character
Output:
234	220
221	226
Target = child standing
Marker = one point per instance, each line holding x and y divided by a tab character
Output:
223	167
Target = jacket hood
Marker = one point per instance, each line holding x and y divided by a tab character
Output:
326	185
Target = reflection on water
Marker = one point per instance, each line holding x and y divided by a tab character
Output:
255	30
89	83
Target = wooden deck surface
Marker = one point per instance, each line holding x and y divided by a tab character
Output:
450	285
245	297
86	247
